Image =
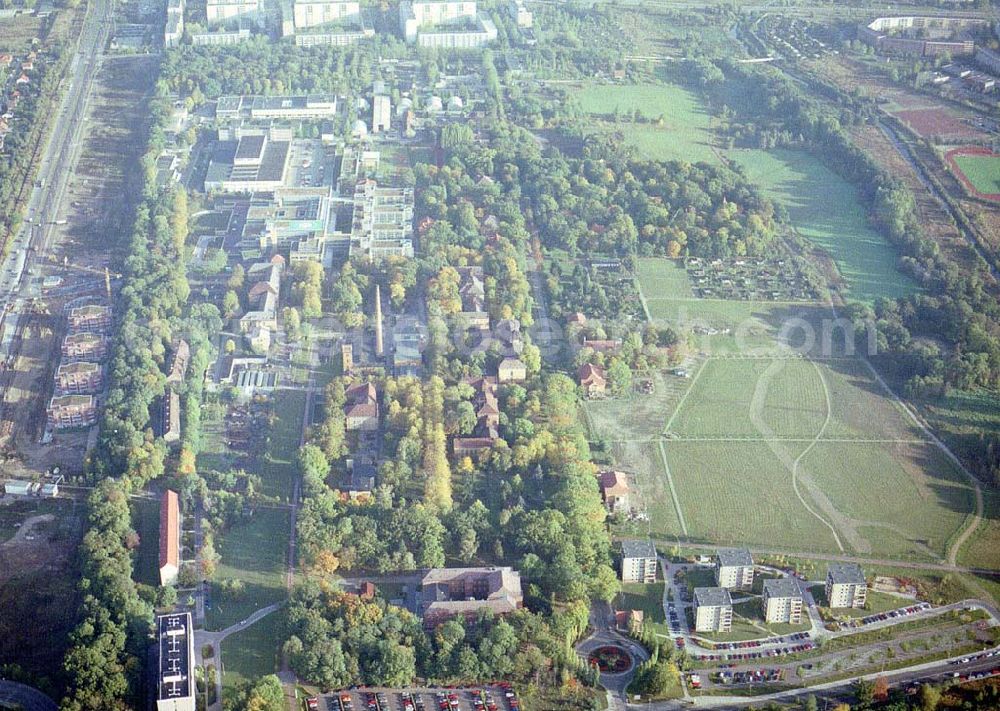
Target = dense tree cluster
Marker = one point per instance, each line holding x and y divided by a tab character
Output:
339	639
108	644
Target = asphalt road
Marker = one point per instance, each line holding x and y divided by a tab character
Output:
60	152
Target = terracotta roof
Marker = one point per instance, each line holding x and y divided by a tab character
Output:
591	374
362	409
614	483
170	544
364	393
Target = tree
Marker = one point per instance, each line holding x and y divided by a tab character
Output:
930	697
230	304
314	467
266	695
864	691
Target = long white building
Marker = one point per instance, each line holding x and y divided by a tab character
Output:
446	24
309	13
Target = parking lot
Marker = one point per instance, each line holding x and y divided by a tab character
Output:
494	698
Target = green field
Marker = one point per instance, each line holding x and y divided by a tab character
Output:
253	552
683	135
779	451
982	171
741	326
825	209
253	652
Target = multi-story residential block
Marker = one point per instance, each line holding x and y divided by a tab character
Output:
95	318
734	569
782	601
175	688
310	13
846	585
66	411
79	378
639	561
713	610
84	346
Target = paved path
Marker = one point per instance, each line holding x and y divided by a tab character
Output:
203	637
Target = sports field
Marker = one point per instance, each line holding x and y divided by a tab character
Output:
683	135
825	209
983	171
792	453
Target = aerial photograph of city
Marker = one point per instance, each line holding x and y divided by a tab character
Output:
499	355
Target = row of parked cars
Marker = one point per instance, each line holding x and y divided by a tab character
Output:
498	698
891	614
753	676
754	643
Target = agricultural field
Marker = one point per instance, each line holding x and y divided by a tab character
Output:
807	189
808	455
254	553
982	171
684	134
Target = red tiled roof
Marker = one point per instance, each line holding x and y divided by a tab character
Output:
170	544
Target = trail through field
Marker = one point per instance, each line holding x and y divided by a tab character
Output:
792	463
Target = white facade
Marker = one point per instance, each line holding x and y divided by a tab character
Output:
415	15
782	601
309	13
221	10
381	113
713	610
638	570
734	576
846	594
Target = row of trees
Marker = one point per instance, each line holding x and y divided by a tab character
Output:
27	128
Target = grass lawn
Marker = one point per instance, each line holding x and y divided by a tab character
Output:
648	598
752	615
825	208
875	602
255	553
146	521
982	171
715	481
277	469
684	134
253	652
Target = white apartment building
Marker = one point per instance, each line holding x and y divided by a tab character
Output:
846	585
782	601
734	569
639	561
218	11
713	610
309	13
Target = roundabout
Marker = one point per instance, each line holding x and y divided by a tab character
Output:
610	659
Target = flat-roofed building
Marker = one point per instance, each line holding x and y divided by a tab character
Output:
218	11
84	346
309	13
734	568
782	601
67	411
520	14
447	24
176	688
95	318
381	113
846	585
170	537
713	610
79	378
249	163
639	561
